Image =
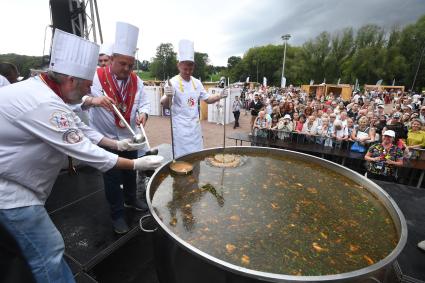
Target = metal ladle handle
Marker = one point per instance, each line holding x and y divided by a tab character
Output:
144	134
114	107
168	83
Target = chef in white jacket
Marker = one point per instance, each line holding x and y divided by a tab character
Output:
39	131
118	84
186	91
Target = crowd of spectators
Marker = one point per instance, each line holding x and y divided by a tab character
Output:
370	118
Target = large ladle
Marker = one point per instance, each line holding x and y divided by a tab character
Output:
150	151
137	138
177	167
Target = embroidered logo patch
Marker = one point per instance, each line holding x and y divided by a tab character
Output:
62	120
190	102
73	136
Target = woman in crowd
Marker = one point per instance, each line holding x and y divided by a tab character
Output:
373	125
276	115
324	133
310	128
339	108
295	118
415	136
350	128
383	157
269	108
387	98
363	134
319	116
300	123
261	125
289	110
308	111
343	117
405	119
340	132
284	127
282	106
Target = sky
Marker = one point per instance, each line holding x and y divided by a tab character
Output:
221	28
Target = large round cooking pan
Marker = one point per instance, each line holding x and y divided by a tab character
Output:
178	261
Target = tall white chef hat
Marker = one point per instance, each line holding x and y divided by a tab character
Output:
126	36
73	55
186	50
106	48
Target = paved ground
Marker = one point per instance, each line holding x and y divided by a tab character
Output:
158	131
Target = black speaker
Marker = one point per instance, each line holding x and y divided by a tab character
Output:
63	14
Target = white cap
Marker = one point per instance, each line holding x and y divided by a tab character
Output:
389	133
186	50
106	48
287	116
126	36
73	55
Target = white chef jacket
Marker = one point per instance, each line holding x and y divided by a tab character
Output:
186	126
3	81
38	132
103	120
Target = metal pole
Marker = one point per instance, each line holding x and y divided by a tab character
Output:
93	20
98	21
137	61
285	37
284	59
224	118
257	70
417	70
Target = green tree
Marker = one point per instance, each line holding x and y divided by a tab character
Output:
164	64
315	57
341	49
201	66
412	43
233	61
23	63
395	65
144	65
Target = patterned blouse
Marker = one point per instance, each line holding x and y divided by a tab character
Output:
382	167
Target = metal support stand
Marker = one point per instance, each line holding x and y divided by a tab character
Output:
85	14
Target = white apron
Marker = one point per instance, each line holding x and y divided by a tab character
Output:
186	126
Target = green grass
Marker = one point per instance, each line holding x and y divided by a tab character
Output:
146	76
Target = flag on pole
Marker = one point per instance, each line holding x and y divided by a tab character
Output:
379	82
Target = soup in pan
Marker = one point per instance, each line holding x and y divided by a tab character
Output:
277	215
